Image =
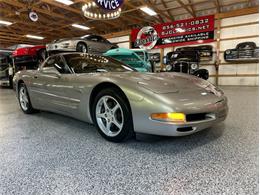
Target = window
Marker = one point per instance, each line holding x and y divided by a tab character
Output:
61	66
93	38
86	63
49	64
56	63
103	40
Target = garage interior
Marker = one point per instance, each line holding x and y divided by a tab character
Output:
47	153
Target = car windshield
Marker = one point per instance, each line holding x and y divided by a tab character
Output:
87	63
140	54
132	60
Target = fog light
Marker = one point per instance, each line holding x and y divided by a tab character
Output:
171	117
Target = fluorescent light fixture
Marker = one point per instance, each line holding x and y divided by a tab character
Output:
66	2
5	22
80	26
149	11
34	37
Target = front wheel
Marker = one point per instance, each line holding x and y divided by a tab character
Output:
112	115
24	99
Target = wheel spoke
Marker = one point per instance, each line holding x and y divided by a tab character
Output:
25	98
115	107
105	104
109	125
116	123
101	115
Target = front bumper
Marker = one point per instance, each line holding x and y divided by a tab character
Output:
149	126
60	48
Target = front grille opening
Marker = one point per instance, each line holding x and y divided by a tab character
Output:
196	117
184	129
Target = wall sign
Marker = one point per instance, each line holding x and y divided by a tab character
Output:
183	32
110	5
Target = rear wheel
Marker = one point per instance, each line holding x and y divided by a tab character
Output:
81	47
112	115
24	99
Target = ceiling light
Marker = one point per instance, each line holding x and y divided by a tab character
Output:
34	37
80	26
66	2
149	11
5	22
92	11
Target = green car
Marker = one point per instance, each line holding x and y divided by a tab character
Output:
136	58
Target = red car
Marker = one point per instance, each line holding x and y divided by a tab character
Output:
23	53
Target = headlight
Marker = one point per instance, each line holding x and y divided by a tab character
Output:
228	52
175	117
194	66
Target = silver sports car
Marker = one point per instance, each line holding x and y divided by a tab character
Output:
119	100
93	44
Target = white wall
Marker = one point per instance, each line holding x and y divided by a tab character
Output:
226	33
234	32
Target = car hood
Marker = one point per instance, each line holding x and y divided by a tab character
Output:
162	83
171	82
159	83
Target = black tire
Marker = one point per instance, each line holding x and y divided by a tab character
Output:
82	47
29	109
127	130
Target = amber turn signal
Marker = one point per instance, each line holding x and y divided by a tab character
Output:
176	117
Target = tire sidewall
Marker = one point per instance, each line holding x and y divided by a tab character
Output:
127	130
29	108
79	47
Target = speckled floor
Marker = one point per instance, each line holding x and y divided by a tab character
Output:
46	153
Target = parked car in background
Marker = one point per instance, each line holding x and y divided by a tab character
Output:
87	44
185	61
119	100
24	53
6	69
136	58
246	51
205	51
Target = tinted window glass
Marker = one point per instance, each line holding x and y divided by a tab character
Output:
61	66
86	63
131	60
141	54
56	63
92	38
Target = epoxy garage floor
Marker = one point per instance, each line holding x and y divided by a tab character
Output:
46	153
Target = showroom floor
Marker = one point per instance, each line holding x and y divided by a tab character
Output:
46	153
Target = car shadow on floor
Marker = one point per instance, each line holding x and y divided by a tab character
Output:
148	143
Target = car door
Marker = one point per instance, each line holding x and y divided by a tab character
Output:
55	87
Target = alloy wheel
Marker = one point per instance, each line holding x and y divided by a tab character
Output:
109	116
24	101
